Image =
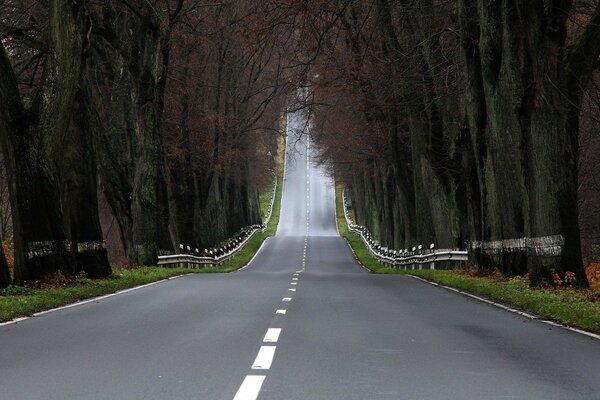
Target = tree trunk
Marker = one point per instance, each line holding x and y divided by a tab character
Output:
4	273
39	238
529	143
144	67
66	128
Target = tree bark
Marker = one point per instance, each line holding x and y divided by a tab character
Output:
40	243
71	143
4	273
528	145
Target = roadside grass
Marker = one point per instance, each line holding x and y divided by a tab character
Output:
28	301
576	308
18	301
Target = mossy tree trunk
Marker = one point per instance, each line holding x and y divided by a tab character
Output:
65	124
40	244
530	86
51	159
144	69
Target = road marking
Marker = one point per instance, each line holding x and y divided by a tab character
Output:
264	358
90	300
280	311
509	309
250	387
272	335
292	289
14	321
294	279
286	299
255	254
293	283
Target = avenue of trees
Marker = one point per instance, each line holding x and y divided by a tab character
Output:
168	110
459	123
463	123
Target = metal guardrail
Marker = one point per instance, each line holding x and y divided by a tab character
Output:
222	253
415	258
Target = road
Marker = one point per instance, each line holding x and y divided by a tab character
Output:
302	321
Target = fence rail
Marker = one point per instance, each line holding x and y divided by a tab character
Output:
415	258
222	253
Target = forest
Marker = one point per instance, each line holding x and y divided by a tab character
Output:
468	124
128	127
159	118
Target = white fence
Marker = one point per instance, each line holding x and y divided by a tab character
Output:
415	258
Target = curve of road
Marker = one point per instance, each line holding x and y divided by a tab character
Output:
302	321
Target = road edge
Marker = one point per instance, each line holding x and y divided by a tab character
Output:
507	308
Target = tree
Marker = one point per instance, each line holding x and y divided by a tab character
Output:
32	126
498	167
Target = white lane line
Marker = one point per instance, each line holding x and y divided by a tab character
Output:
272	335
14	321
509	309
280	311
264	358
255	254
250	387
286	299
91	300
292	289
294	279
293	283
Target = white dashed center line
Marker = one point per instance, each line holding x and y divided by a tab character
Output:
264	358
272	335
286	299
250	388
280	311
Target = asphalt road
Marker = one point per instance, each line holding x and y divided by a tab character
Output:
339	333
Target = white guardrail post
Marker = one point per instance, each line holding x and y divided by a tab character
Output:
222	254
404	259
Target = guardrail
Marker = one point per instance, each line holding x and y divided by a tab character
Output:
222	252
415	258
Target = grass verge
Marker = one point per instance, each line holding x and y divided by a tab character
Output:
23	301
576	308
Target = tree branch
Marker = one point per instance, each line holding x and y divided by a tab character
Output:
582	57
19	35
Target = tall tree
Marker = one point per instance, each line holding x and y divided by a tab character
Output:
32	133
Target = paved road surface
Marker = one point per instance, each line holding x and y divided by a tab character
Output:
344	334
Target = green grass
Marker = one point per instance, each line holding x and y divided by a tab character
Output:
34	300
575	308
18	301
